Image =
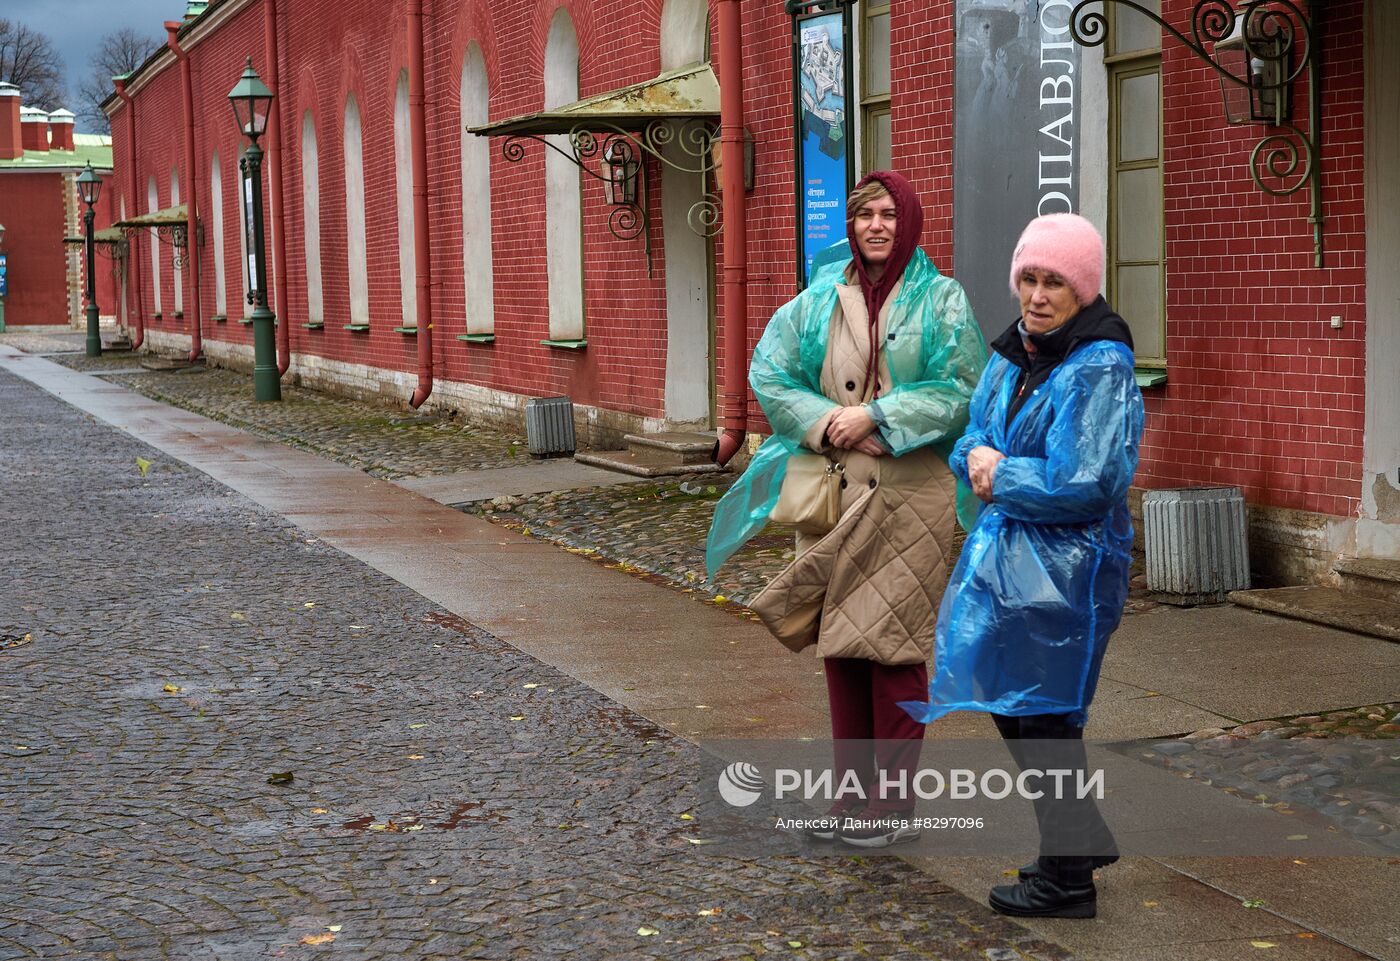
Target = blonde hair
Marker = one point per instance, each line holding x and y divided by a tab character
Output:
861	196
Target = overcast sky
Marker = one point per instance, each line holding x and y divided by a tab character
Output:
76	27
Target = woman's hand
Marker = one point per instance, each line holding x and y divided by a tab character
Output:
981	468
849	426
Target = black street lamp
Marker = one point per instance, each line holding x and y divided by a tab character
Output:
251	102
89	189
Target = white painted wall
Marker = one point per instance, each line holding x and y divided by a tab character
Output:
152	205
1378	528
311	219
216	218
179	274
356	250
1093	140
403	192
476	197
563	194
684	30
688	363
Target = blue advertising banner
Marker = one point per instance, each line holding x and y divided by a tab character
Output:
4	275
823	133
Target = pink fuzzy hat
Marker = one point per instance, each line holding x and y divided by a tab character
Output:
1067	244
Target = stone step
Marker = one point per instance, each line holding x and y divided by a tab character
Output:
1326	605
646	462
170	363
680	447
1374	577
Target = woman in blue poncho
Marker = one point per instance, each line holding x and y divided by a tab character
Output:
1042	579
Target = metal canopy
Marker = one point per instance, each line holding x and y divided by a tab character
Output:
690	93
107	235
169	217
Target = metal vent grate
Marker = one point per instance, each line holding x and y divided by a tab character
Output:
549	426
1197	543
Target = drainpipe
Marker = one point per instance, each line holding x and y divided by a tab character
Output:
132	247
274	169
735	417
192	180
423	262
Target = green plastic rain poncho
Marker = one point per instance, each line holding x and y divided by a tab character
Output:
935	355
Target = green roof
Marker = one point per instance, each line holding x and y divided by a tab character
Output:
87	148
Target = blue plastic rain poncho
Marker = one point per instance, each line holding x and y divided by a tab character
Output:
934	352
1043	575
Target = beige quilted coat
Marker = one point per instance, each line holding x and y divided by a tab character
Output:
871	587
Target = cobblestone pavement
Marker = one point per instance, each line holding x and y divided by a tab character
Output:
224	740
382	441
660	528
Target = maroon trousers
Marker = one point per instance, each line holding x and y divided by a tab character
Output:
872	733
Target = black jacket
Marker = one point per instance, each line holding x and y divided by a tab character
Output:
1095	322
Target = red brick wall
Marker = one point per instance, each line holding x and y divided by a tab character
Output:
31	208
1262	393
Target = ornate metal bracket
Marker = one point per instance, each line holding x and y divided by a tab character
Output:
172	235
598	139
1284	161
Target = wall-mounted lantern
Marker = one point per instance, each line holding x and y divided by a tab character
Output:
1259	50
620	170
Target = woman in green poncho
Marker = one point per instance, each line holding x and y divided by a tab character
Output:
866	594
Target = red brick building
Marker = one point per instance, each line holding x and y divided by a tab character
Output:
1267	346
40	157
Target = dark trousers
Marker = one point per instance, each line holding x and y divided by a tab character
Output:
1071	830
864	697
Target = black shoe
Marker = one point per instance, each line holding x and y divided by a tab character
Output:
1033	869
825	827
879	831
1039	897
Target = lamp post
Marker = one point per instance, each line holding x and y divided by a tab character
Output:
251	100
89	189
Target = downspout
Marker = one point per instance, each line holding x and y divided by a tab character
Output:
274	163
132	247
192	177
423	262
735	416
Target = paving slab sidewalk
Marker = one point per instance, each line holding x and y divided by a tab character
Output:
1166	673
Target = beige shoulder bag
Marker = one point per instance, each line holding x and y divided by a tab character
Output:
810	498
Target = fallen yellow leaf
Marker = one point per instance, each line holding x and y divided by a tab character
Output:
647	931
709	912
414	727
333	927
1263	944
414	827
415	757
319	811
687	817
143	465
318	939
171	689
238	616
1151	904
529	687
309	604
517	717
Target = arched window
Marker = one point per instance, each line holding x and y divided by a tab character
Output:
403	190
356	254
152	205
216	215
563	197
179	275
476	197
245	233
311	219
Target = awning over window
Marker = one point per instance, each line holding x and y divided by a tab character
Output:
107	235
690	93
168	217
